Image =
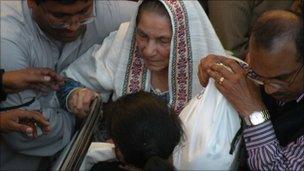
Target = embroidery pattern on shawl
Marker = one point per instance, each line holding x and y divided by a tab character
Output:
182	57
135	71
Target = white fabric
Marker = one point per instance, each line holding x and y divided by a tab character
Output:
24	45
104	67
97	152
210	124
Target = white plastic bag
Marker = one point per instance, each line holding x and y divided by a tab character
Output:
210	124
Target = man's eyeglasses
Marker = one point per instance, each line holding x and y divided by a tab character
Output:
274	83
63	22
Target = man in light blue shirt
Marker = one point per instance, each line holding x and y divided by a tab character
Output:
47	33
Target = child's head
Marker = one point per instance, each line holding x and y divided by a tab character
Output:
144	129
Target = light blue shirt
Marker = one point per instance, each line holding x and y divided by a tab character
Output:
24	45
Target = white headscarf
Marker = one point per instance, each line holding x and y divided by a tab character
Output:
117	65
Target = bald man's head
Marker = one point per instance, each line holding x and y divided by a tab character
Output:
277	27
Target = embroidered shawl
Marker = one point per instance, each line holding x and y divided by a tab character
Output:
116	65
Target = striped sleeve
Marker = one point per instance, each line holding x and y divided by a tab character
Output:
265	152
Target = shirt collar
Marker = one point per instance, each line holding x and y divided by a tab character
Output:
280	103
300	97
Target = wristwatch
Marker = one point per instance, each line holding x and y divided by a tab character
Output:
257	117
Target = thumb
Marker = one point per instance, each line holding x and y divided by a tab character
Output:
46	78
40	77
22	128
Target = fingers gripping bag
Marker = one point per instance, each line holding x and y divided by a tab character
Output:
212	128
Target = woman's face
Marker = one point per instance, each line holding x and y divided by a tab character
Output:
153	37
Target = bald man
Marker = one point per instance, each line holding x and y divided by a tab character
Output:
269	95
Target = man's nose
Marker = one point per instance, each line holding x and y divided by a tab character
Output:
74	23
150	49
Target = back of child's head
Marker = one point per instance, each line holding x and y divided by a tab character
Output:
144	129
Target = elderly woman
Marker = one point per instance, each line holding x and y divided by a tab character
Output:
158	52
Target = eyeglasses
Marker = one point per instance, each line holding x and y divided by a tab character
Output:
63	22
274	83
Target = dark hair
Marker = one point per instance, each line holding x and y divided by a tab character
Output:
152	6
145	130
278	25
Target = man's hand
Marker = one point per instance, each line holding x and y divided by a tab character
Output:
41	79
79	101
19	120
241	92
204	65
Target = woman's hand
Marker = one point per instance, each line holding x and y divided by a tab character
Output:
79	101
